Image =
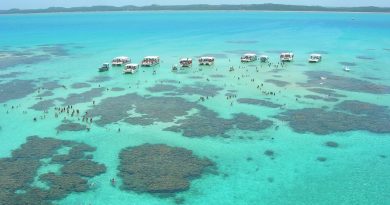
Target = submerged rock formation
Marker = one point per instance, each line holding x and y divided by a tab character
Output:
159	169
17	173
347	116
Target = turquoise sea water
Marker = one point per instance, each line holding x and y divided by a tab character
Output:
41	50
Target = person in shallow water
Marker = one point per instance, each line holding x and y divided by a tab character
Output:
113	182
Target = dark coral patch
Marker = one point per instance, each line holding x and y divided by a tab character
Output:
117	89
207	123
55	50
11	75
51	85
249	122
80	85
148	110
115	109
196	89
199	89
172	171
14	59
83	97
161	88
363	108
347	116
43	105
252	101
279	83
316	97
17	173
46	94
84	168
343	83
330	93
16	89
71	126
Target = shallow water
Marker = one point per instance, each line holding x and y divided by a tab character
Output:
55	57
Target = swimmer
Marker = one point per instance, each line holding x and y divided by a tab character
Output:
112	182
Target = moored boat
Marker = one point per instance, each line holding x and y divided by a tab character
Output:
186	62
249	57
286	57
315	58
150	61
120	60
131	68
206	60
104	67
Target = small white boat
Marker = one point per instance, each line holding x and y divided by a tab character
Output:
315	58
347	69
150	61
119	61
131	68
264	58
323	78
185	62
248	57
104	67
206	60
286	57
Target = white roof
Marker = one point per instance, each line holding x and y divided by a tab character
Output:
185	59
249	54
315	55
206	57
106	64
131	65
287	54
151	57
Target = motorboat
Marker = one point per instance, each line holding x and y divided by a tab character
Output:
264	58
104	67
131	68
150	61
347	69
249	57
206	60
120	60
315	58
185	62
286	57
